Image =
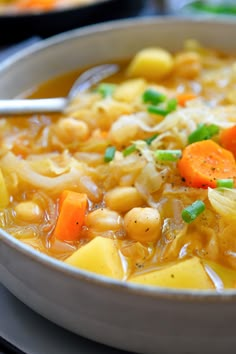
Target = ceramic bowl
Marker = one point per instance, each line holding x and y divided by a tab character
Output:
126	316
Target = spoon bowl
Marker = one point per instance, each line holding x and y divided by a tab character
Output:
54	105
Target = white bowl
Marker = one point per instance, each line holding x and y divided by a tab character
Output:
126	316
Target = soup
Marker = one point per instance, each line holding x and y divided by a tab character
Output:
136	179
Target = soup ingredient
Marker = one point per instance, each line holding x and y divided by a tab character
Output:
158	110
204	162
4	195
171	105
103	222
203	132
224	277
143	224
151	63
187	274
167	155
228	139
109	153
225	183
224	202
70	129
106	90
183	98
191	212
187	65
28	211
123	199
99	256
153	96
71	217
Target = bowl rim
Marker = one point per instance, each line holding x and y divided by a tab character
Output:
190	295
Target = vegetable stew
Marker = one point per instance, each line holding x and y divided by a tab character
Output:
136	180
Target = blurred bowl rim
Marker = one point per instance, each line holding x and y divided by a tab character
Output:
226	295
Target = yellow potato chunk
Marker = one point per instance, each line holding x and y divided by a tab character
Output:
188	274
4	196
98	256
130	90
151	63
221	275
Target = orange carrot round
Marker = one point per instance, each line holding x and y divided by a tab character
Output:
72	209
204	162
228	139
183	98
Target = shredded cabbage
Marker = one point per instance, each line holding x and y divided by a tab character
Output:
224	202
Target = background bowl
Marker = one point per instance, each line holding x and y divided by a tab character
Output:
126	316
16	27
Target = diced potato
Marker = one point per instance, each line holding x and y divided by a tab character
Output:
99	256
226	275
129	90
28	211
4	196
188	274
152	64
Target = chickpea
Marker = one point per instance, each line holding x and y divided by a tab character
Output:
123	199
143	224
70	129
187	65
102	221
28	211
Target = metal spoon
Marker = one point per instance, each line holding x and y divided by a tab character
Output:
59	104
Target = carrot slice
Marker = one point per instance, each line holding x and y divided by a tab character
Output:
228	139
72	211
204	162
183	98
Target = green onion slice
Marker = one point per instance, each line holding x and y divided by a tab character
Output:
106	90
129	150
172	104
158	110
151	139
225	183
203	132
168	155
109	153
191	212
153	96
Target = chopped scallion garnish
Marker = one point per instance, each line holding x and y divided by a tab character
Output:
172	105
158	110
203	132
109	153
225	183
150	140
153	96
167	155
106	89
129	150
191	212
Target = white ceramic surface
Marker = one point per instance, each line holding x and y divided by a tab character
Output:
126	316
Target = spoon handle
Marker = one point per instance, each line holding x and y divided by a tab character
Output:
31	106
